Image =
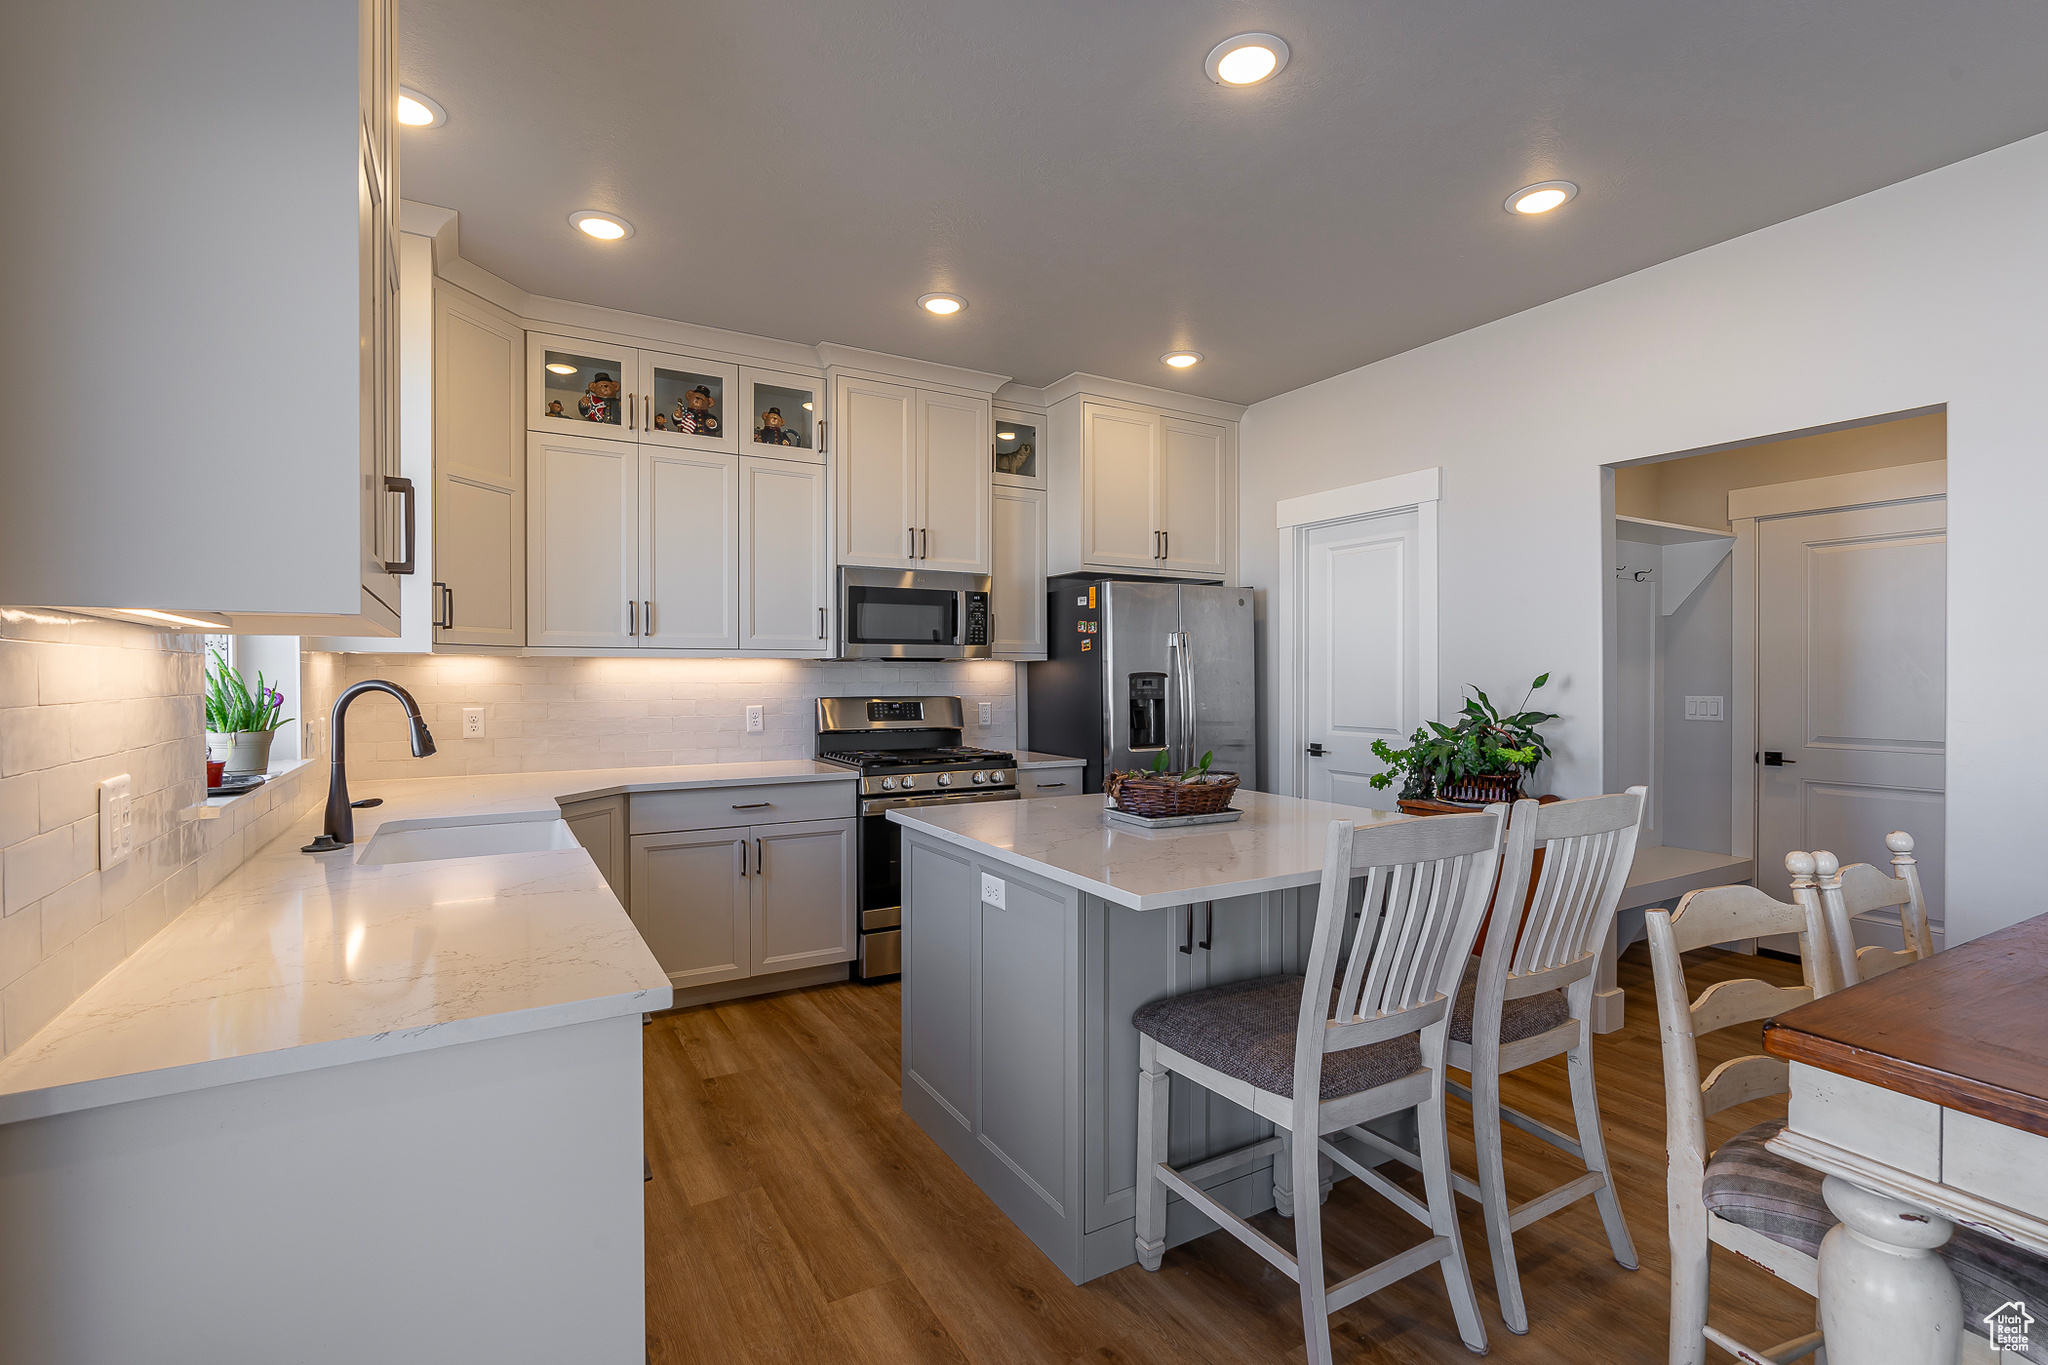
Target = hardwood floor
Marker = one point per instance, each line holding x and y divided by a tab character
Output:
796	1214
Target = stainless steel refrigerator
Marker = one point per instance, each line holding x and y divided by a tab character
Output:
1136	667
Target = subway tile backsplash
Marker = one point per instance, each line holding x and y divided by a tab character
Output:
81	700
551	714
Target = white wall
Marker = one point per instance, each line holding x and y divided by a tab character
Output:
1925	293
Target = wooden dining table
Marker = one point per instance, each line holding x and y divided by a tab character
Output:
1922	1095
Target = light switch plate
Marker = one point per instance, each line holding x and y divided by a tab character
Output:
1703	708
472	722
755	722
117	820
988	712
992	890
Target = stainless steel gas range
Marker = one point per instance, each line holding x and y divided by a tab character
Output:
908	753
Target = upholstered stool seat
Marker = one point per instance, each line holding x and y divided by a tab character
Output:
1519	1019
1752	1186
1247	1029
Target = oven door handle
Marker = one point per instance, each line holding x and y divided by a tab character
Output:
877	805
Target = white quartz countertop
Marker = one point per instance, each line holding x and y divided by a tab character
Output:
1028	759
296	961
1068	839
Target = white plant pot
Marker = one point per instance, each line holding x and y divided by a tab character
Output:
218	746
250	752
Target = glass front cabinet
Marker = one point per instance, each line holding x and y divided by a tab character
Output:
580	387
1016	454
784	417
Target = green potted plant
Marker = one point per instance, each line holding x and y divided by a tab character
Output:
240	722
1481	759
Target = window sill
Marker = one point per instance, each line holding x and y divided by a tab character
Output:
215	807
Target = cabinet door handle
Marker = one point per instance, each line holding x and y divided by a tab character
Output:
757	857
911	531
821	623
449	623
924	542
741	845
1047	786
753	805
821	436
632	413
646	617
1208	923
440	605
647	413
1187	931
1166	545
632	617
404	489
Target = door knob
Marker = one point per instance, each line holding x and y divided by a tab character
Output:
1774	758
1317	751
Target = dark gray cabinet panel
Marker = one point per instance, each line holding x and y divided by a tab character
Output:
941	923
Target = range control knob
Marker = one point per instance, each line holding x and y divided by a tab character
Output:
888	784
980	776
909	782
945	779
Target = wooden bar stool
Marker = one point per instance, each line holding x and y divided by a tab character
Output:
1320	1055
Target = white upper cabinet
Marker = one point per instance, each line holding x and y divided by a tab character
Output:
479	474
688	403
1017	530
1016	452
785	568
1136	488
913	481
953	482
784	416
875	460
1193	496
253	361
689	551
582	542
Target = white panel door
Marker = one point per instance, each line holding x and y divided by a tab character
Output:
1361	612
582	541
1852	688
803	894
479	477
875	459
689	550
1120	487
1194	469
785	572
953	482
1017	604
693	902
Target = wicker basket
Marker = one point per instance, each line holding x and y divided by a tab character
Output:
1482	789
1153	797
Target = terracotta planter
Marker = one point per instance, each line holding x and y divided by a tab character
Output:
250	752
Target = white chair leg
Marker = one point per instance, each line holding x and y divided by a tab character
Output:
1435	1150
1283	1174
1593	1142
1154	1112
1308	1252
1493	1197
1689	1266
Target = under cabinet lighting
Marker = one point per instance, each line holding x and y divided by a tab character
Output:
1542	197
807	407
945	305
1006	436
603	226
1246	59
218	623
556	367
1180	360
419	111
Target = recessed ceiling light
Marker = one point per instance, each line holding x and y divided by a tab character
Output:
557	367
1180	360
1246	59
605	227
1541	197
942	304
1006	436
419	111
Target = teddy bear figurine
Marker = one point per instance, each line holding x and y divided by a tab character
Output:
661	421
693	415
600	401
555	408
772	431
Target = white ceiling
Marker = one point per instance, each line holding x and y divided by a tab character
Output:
805	169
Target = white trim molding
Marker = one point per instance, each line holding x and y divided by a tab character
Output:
1362	499
1419	491
1865	488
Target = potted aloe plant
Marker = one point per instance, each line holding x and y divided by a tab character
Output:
240	722
1481	759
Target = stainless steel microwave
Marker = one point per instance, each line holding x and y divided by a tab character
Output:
913	614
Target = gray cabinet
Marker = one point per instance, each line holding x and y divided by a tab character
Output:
600	826
728	902
1062	781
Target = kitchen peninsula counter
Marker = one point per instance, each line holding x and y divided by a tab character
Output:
1032	931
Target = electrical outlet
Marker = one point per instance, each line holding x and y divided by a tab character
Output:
117	820
992	891
988	712
755	722
1703	708
472	722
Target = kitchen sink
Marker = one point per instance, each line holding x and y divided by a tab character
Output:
425	843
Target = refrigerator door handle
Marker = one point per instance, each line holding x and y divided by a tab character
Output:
1193	731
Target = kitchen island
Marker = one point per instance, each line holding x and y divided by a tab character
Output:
1032	930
